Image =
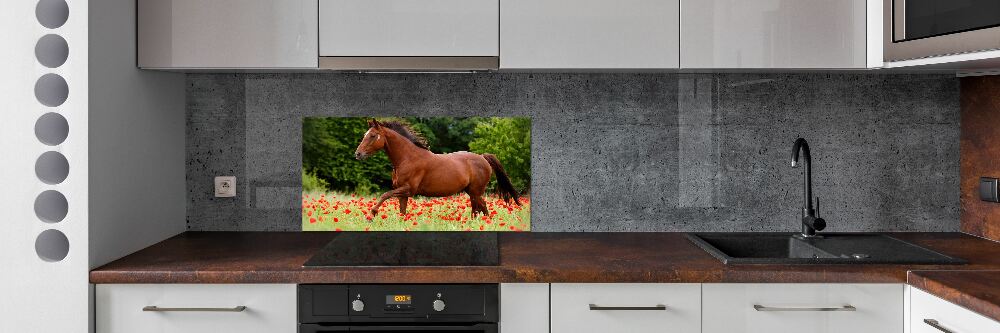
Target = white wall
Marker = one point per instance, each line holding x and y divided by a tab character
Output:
124	187
38	295
137	187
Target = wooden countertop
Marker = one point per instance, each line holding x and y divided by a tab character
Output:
978	291
272	257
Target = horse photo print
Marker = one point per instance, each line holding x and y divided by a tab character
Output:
416	174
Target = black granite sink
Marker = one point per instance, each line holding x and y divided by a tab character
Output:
832	248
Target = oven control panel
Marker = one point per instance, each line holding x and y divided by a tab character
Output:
398	303
421	300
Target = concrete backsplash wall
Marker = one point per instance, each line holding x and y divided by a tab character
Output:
615	152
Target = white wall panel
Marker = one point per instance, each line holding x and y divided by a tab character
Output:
39	295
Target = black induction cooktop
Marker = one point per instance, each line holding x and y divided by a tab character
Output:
409	249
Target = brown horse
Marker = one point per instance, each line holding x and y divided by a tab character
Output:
418	171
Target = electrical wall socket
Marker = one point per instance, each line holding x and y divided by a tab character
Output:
988	189
225	187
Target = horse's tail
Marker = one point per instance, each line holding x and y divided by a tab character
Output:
504	186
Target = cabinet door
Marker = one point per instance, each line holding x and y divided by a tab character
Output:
804	308
227	33
773	34
524	308
927	310
425	28
270	308
626	307
592	34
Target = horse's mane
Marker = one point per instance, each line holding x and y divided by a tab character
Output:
407	132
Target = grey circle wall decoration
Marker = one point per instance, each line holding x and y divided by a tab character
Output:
52	245
51	129
51	90
51	206
52	167
52	13
51	50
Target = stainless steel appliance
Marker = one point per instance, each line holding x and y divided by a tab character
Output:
469	308
916	29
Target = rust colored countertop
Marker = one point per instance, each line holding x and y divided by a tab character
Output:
277	257
978	291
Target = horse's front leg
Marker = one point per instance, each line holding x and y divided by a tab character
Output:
403	191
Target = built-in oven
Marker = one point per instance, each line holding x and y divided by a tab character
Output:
916	29
387	308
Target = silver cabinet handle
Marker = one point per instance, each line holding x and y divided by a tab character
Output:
595	307
154	308
935	324
759	307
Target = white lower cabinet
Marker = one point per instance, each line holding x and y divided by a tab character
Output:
803	308
524	307
196	308
930	314
625	307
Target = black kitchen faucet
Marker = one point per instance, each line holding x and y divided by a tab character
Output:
810	221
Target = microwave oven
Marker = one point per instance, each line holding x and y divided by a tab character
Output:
915	29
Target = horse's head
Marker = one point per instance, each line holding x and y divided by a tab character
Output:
373	141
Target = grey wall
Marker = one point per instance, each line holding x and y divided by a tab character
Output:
615	152
136	141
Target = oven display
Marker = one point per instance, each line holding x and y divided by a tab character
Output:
398	299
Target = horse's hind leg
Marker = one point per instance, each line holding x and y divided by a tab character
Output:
482	205
402	204
477	203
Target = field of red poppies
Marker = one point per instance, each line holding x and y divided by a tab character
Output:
333	211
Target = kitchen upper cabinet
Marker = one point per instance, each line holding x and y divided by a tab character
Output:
196	308
804	308
626	307
930	314
778	34
192	34
406	28
589	34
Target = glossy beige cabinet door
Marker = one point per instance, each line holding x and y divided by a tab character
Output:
930	314
626	307
802	308
227	34
774	34
408	28
589	34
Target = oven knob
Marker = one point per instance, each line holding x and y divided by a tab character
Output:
358	305
438	305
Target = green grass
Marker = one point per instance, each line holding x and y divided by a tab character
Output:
333	211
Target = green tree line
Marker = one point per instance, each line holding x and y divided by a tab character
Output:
328	145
